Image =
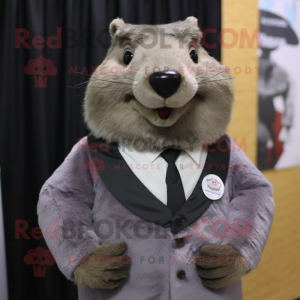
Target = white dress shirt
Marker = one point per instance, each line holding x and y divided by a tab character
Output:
150	168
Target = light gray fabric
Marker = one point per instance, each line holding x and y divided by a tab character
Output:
94	216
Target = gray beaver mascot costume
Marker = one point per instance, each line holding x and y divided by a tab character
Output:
157	202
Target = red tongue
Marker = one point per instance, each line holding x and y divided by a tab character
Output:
163	112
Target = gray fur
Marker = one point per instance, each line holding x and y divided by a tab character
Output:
122	106
186	30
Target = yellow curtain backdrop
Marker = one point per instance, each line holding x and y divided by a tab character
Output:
278	274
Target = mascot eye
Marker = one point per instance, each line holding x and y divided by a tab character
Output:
194	56
127	57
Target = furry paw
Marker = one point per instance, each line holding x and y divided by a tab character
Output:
104	267
219	266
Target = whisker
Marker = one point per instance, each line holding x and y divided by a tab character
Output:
96	78
103	75
83	74
84	87
218	79
213	75
105	81
121	76
223	72
95	90
77	85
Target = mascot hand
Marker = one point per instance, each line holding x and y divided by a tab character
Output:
104	267
219	266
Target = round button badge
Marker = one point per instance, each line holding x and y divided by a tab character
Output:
213	187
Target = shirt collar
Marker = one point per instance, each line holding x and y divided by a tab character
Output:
194	154
153	155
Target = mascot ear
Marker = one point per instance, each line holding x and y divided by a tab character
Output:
115	25
192	20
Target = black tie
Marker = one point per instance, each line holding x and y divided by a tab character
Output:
176	197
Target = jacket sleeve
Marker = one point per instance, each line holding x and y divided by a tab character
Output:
251	208
64	211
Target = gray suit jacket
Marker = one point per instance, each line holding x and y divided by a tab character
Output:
94	198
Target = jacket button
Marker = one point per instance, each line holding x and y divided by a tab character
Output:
179	242
180	274
177	222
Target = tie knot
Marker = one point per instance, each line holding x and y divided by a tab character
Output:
170	155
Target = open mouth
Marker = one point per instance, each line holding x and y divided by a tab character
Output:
164	112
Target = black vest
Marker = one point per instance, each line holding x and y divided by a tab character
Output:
130	191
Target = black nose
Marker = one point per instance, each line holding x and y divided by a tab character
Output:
165	83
